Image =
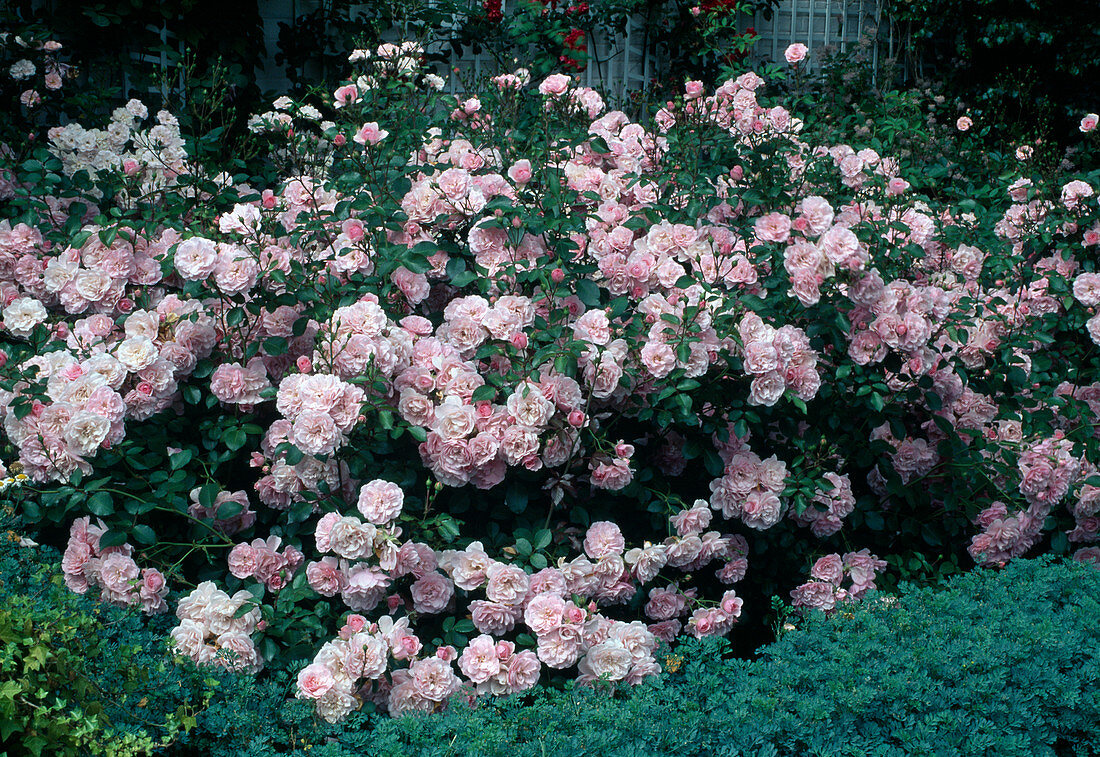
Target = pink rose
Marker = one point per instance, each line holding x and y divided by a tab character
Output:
795	53
520	172
369	133
554	85
479	661
523	671
602	539
431	593
314	681
380	501
242	560
829	568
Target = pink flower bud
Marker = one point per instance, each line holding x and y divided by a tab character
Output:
557	275
576	419
519	340
339	140
622	449
304	364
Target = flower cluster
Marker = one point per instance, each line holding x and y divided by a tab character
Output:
262	560
217	628
828	574
153	156
86	564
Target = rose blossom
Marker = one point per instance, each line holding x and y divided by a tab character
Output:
380	501
479	661
795	53
314	681
431	593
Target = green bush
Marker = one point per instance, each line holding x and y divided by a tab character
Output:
1000	663
997	662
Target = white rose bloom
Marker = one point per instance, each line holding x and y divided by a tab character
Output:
75	392
609	658
142	323
336	704
92	285
196	258
58	273
454	420
106	366
22	69
137	109
23	315
85	432
136	353
529	406
352	539
188	637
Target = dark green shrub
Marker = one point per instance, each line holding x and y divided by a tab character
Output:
1001	663
997	662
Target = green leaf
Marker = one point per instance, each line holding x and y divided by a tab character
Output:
235	438
144	534
208	493
588	292
275	346
112	539
179	459
484	393
101	504
229	508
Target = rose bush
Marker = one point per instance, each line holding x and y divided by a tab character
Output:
512	384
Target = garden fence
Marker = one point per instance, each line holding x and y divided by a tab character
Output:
618	62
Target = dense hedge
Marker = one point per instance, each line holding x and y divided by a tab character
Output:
998	662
